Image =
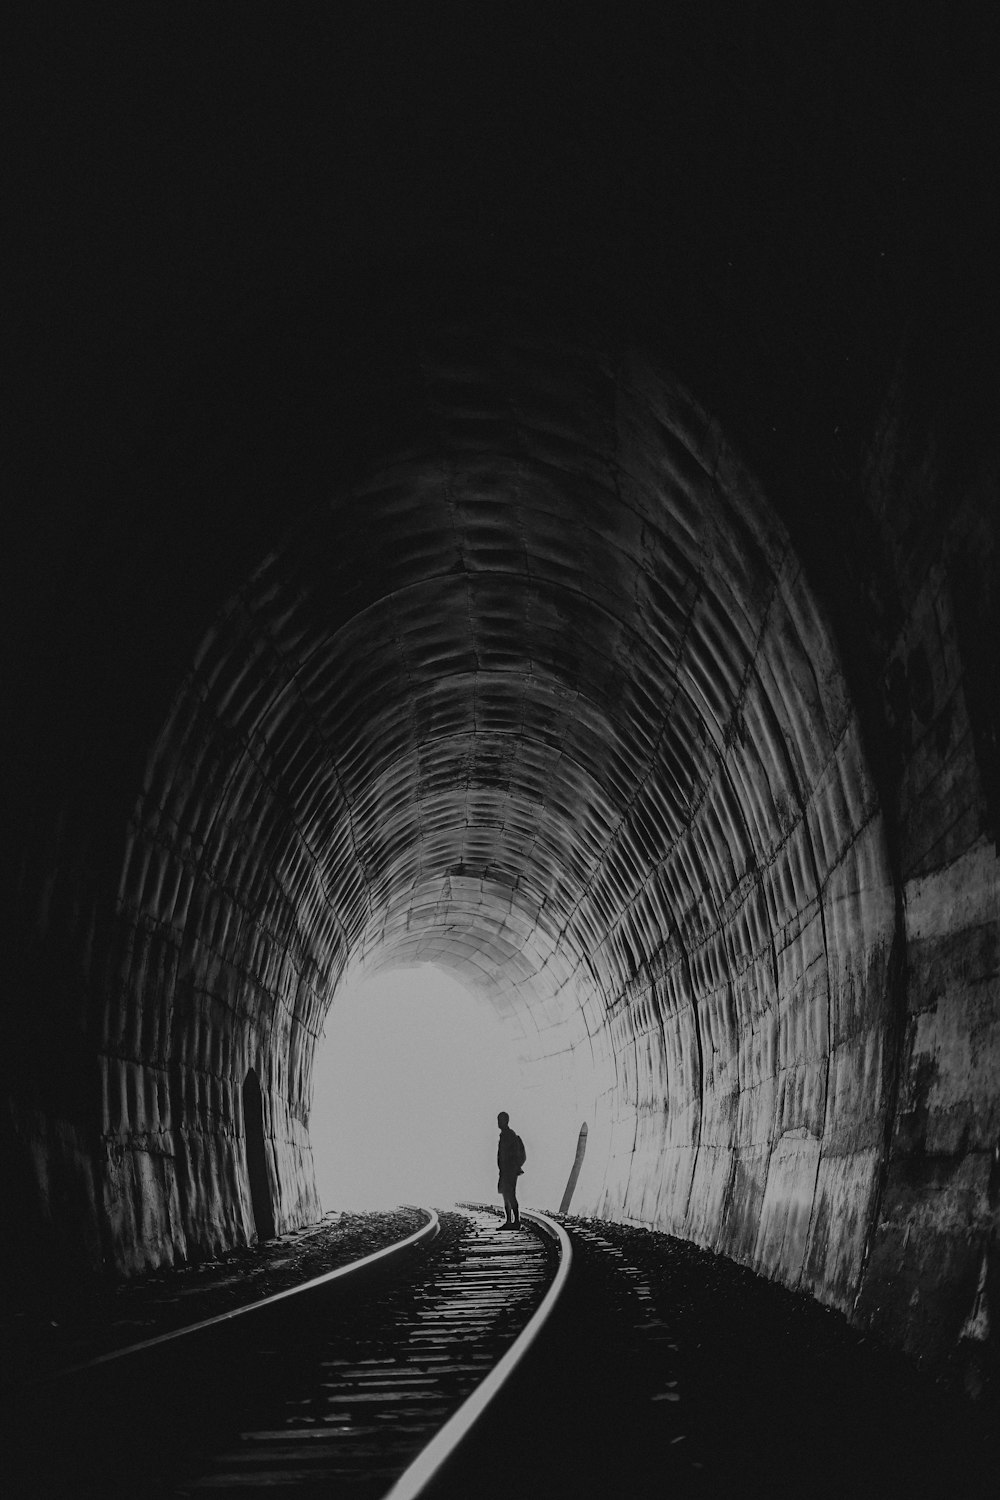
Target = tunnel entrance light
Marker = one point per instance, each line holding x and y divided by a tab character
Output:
407	1084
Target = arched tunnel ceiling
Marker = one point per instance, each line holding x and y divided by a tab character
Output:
544	698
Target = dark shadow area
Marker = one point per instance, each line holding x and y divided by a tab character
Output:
260	1186
667	1370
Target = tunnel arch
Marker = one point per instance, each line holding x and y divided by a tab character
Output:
543	696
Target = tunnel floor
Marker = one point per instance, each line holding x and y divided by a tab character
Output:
760	1391
57	1326
667	1365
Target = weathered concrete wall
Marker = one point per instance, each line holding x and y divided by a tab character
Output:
221	966
934	1267
749	1031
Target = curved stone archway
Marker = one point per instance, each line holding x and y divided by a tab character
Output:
552	704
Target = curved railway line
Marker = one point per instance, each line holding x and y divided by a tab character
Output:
360	1382
464	1361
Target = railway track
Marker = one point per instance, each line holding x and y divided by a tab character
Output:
387	1379
361	1383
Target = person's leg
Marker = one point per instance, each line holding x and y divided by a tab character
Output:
509	1206
515	1210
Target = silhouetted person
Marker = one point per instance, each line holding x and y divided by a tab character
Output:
511	1157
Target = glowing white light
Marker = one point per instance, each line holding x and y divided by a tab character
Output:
407	1084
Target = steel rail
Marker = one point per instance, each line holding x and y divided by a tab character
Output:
426	1231
431	1459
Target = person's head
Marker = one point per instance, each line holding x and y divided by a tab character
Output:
503	1119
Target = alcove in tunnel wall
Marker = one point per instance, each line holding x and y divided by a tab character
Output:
547	698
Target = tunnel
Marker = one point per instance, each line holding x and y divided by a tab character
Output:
554	541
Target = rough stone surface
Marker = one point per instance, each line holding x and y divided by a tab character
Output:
611	620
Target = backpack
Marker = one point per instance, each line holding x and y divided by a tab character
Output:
522	1155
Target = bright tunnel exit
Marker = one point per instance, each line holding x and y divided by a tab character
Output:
408	1080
